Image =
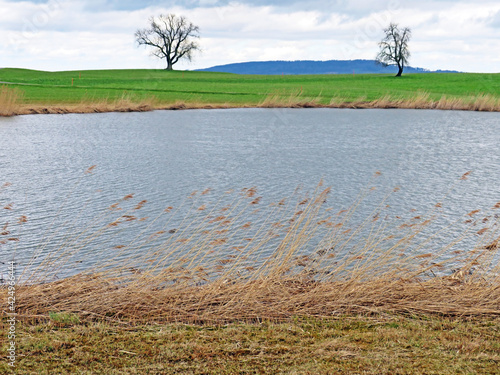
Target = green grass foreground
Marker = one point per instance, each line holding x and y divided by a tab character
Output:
108	90
350	345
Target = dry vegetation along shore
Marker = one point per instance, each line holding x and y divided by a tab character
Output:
302	288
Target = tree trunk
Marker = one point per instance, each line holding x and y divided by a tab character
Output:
169	66
400	71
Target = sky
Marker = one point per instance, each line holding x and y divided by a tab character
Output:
58	35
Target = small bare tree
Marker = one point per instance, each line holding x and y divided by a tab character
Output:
171	38
394	48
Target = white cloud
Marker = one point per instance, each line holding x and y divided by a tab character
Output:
94	34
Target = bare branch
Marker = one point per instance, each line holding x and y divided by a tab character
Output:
394	47
170	37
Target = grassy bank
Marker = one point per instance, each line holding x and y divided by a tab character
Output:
137	90
349	345
237	285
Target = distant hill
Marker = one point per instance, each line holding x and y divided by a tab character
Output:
313	67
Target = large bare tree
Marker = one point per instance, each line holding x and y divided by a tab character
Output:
394	48
171	38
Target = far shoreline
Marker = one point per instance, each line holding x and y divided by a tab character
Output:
88	108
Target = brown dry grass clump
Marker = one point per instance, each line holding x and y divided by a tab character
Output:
10	99
298	259
276	299
481	102
290	100
423	100
10	103
126	103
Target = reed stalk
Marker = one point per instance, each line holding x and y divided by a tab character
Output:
223	262
10	99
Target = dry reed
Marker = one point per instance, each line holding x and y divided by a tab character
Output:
300	258
126	103
423	100
10	103
10	99
295	99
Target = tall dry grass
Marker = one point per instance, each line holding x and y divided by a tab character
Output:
423	100
10	103
10	100
420	100
294	99
481	102
125	103
238	258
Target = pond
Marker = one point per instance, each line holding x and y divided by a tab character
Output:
162	157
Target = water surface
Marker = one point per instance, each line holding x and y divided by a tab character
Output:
163	156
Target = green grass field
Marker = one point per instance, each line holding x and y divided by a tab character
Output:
56	88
